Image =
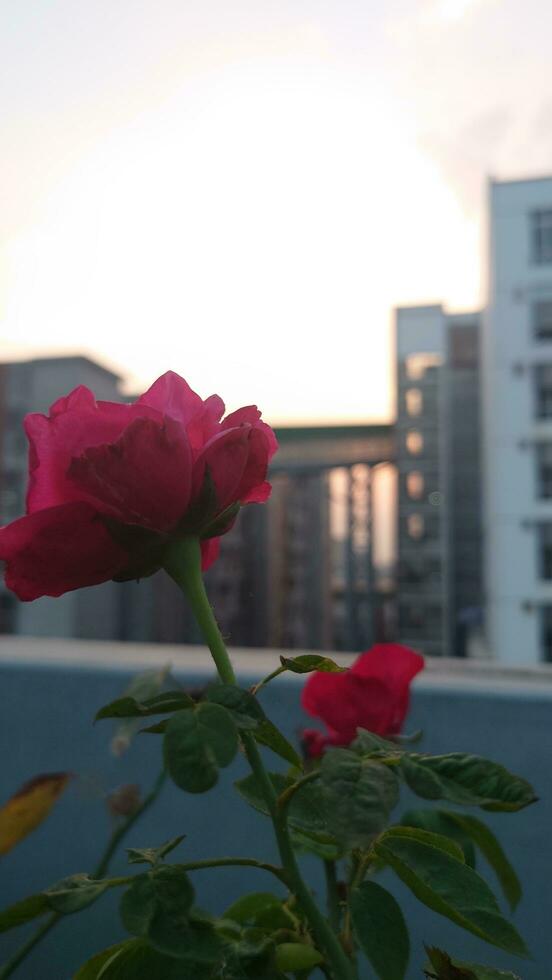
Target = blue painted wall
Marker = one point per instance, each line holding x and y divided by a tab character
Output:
45	725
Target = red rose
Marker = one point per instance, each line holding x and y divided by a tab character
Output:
110	485
373	694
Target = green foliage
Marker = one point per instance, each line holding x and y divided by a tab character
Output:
380	930
196	743
267	734
77	892
441	822
129	707
308	662
23	911
367	743
359	795
152	855
466	779
442	843
442	967
261	909
296	957
485	840
134	959
306	811
248	714
447	886
242	705
166	890
67	896
141	689
158	907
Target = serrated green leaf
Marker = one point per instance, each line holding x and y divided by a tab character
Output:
359	795
441	822
194	940
196	743
128	707
166	891
306	809
442	843
367	743
307	662
246	910
491	849
77	892
380	930
442	967
143	686
267	734
466	779
242	705
23	911
448	887
151	855
326	850
134	959
159	728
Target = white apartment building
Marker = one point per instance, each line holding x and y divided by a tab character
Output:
517	422
474	439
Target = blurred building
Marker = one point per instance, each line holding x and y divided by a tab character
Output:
517	386
474	449
439	570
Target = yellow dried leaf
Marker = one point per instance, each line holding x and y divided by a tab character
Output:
29	807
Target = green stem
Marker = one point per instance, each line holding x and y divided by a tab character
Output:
236	862
115	839
334	910
183	563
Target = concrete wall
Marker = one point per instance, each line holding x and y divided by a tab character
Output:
50	690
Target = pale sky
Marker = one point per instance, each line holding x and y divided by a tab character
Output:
242	191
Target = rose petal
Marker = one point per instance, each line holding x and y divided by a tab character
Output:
76	422
251	415
144	478
205	423
59	549
395	664
345	703
226	455
253	487
172	396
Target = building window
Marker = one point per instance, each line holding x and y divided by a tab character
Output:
541	236
415	484
546	633
545	551
543	391
542	319
417	365
414	401
415	526
414	442
544	470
